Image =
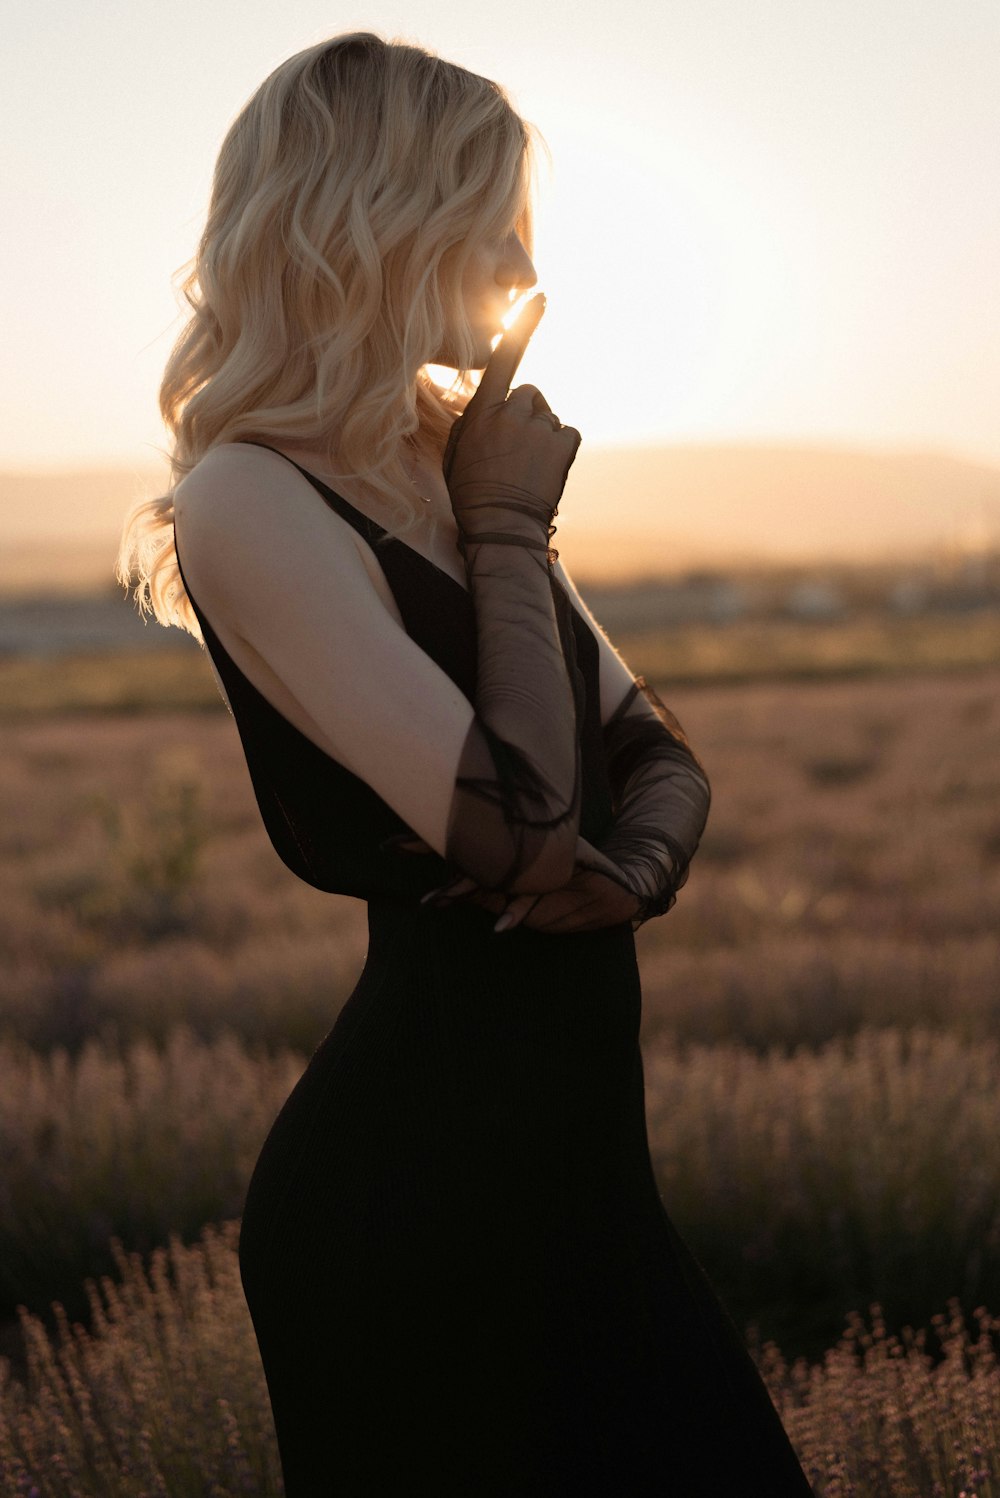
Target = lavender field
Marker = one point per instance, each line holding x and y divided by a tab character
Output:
821	1035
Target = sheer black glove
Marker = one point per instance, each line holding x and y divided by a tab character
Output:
516	808
661	798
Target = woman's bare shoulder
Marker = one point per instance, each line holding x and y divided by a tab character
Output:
233	476
291	601
242	503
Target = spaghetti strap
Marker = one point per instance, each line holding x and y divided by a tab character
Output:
369	528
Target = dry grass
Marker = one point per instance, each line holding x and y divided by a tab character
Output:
822	899
136	1145
880	1417
850	874
139	892
850	878
807	1185
166	1396
814	1183
176	678
131	681
863	645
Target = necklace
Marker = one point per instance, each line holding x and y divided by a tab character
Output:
410	467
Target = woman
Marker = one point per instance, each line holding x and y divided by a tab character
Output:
461	1276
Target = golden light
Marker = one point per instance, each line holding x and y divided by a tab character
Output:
445	376
511	316
442	374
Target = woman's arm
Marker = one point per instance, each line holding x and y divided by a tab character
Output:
518	780
661	799
289	587
660	792
660	795
493	786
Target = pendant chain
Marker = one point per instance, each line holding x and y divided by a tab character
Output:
410	466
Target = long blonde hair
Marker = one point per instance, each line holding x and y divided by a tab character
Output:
349	195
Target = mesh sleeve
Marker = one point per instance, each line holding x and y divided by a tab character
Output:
660	797
515	811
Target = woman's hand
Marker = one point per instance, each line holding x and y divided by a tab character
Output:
590	900
508	454
593	897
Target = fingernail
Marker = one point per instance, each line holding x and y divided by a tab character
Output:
504	922
426	899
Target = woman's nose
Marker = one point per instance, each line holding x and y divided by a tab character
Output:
516	268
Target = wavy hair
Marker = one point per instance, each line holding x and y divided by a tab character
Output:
349	195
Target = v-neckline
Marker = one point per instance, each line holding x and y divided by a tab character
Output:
326	489
383	532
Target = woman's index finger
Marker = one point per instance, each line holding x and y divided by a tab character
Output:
502	364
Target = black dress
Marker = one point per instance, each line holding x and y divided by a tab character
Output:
461	1276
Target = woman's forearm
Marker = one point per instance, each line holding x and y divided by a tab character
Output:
516	811
661	798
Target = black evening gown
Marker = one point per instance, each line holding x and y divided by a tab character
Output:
461	1276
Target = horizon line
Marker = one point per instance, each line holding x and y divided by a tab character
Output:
928	449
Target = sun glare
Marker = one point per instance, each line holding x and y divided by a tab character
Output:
446	376
511	316
442	374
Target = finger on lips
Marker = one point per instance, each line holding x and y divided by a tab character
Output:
505	358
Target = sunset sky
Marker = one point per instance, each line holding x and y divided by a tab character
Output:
776	221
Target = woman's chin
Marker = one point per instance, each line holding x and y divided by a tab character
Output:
485	340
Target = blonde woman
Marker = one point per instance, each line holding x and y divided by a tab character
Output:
460	1273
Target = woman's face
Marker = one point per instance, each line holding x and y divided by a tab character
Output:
498	273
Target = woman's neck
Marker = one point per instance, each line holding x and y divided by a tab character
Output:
426	480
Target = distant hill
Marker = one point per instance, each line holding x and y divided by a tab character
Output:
61	529
626	511
660	509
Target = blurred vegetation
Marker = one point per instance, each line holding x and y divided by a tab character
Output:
138	890
687	653
815	1183
166	1395
119	681
133	1144
821	1022
807	1185
793	650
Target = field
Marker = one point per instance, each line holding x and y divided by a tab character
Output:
821	1035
